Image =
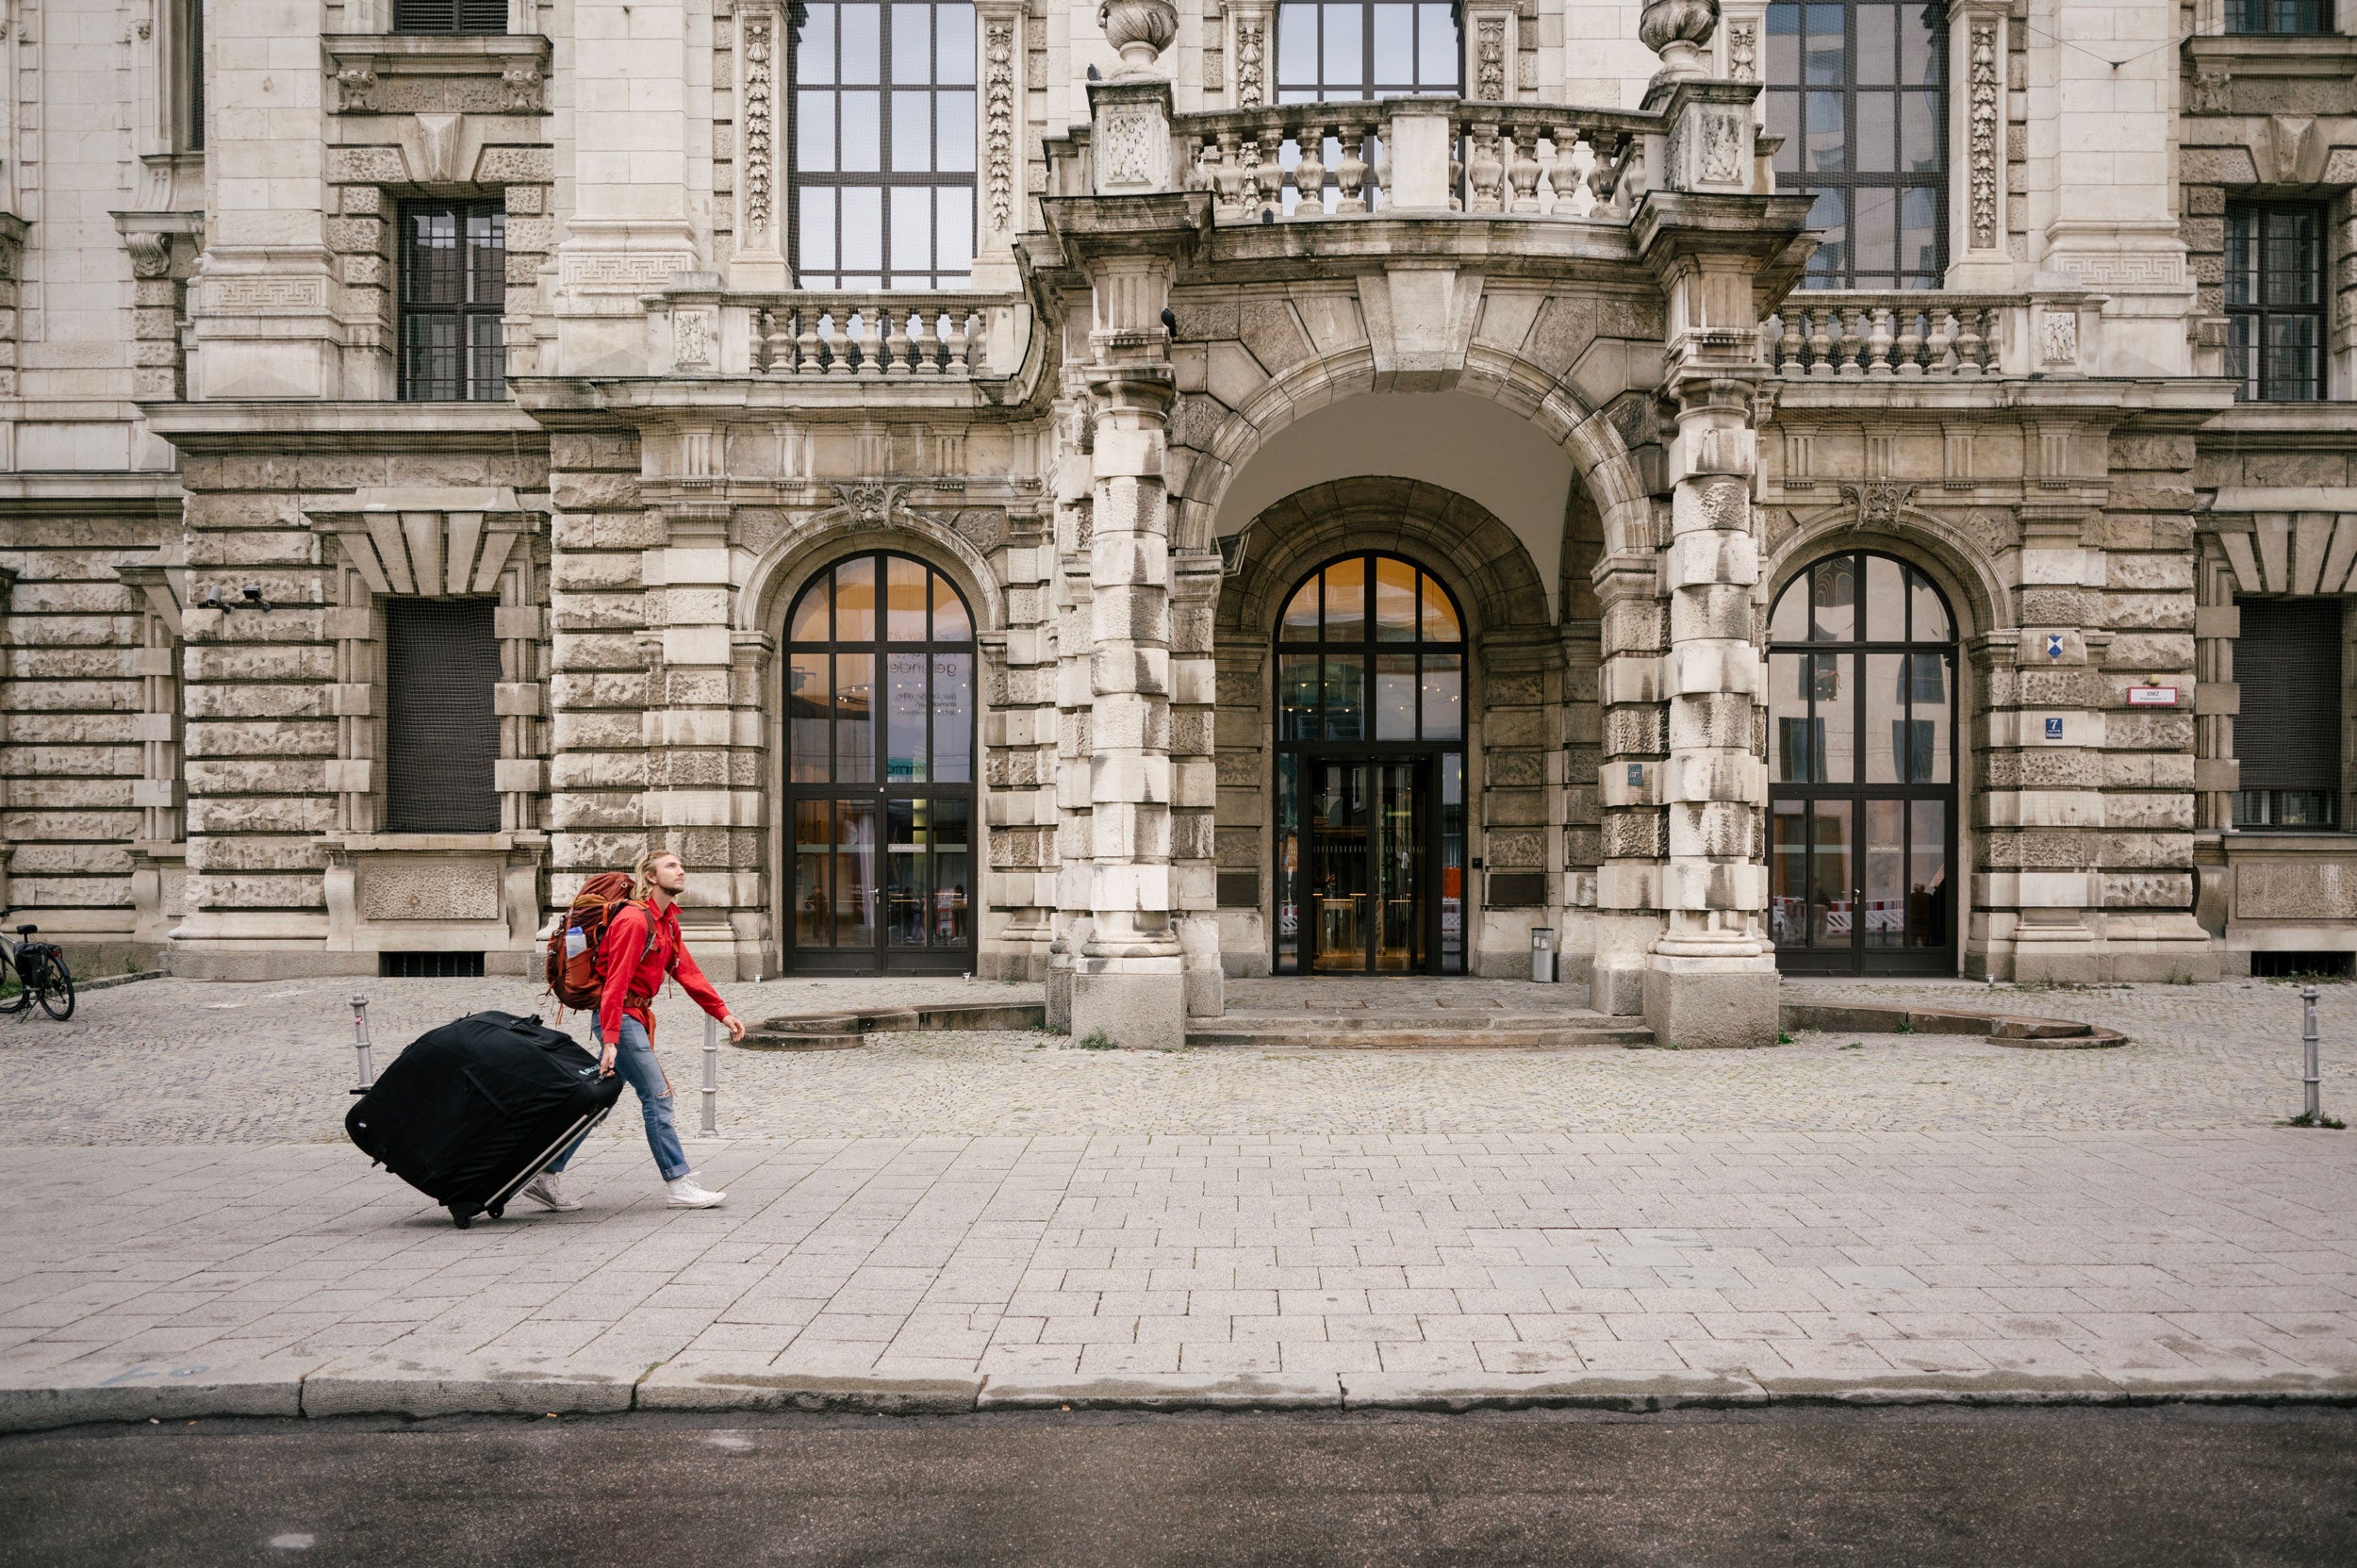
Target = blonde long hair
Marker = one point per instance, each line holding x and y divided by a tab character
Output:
642	874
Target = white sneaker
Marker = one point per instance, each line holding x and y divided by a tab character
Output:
547	1190
686	1194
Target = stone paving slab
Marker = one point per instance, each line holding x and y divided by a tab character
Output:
182	1062
956	1272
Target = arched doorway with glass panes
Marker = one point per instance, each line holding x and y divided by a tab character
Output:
881	848
1862	764
1369	848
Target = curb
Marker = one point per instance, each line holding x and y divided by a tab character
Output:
107	983
334	1389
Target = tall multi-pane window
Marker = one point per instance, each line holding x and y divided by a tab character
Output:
1330	51
1859	90
454	289
884	144
2287	734
450	16
2278	16
2275	300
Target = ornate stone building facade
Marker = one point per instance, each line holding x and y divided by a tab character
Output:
1144	495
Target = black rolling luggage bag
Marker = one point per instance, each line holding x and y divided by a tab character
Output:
473	1110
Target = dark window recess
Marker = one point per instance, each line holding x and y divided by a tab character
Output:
2278	16
883	144
2275	300
1335	51
441	735
1240	890
450	16
1517	889
191	68
2303	966
1859	90
453	289
2287	737
429	965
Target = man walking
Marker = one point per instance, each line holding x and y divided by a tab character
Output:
642	945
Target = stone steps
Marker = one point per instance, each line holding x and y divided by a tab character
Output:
1438	1029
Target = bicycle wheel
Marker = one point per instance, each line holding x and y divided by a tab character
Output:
57	988
15	995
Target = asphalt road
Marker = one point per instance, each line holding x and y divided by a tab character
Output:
1989	1488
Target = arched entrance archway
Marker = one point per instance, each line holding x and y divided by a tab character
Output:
1370	748
880	765
1862	770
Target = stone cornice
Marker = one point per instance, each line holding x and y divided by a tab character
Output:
340	426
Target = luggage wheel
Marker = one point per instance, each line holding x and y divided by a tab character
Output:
497	1211
460	1217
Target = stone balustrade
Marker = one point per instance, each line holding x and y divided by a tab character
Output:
1287	162
852	334
1895	333
888	336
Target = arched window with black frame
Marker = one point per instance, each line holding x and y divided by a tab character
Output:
1862	770
883	144
1370	841
879	699
1859	90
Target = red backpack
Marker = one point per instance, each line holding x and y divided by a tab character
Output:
574	975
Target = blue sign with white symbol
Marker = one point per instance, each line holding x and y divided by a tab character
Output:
2054	644
2054	729
1637	775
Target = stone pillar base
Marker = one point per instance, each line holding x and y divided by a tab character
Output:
1711	1003
1138	1003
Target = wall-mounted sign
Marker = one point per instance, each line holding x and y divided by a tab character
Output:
1637	775
2054	729
2152	697
2054	644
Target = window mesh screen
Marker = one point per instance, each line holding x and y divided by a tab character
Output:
441	737
2288	663
450	16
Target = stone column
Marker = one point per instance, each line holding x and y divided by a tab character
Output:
1711	977
1194	780
1126	980
763	42
1073	528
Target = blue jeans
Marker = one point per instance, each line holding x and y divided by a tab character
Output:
636	1060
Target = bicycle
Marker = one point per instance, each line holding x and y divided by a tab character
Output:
38	970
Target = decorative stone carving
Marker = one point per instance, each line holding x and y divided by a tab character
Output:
2058	336
759	176
998	123
522	79
356	90
1251	50
1140	29
691	339
1982	155
1879	503
1129	138
1744	50
1724	148
1490	59
1676	30
2211	91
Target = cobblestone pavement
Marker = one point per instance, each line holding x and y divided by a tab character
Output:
1007	1212
174	1061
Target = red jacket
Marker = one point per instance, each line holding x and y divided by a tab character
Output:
633	970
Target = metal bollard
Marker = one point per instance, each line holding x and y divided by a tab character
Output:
2308	1076
711	1078
360	1040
